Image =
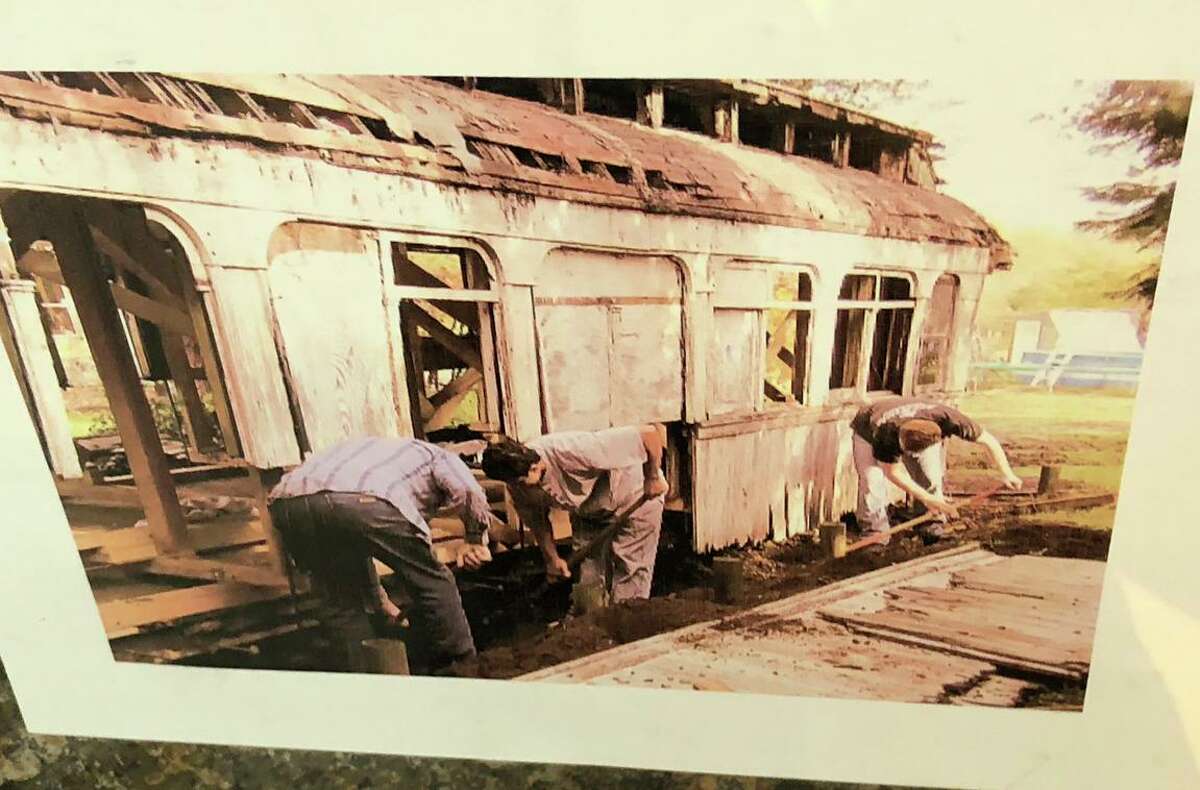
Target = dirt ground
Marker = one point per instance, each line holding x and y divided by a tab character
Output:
1083	434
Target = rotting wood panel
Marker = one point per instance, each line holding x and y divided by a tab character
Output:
734	372
328	298
245	337
611	335
763	481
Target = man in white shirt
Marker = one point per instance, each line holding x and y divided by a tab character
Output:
596	477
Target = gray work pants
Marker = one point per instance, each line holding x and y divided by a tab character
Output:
927	469
624	567
335	536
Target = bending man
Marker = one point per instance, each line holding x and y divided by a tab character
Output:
595	477
369	499
900	440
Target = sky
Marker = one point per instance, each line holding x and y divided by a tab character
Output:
1018	172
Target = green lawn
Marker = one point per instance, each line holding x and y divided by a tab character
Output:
1082	433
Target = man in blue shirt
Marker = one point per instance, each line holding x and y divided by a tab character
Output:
372	498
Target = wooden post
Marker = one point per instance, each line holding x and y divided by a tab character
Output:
650	105
833	539
841	149
1048	480
784	134
105	334
384	657
725	120
264	481
728	578
28	347
573	95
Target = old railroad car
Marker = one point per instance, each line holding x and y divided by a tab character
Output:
309	258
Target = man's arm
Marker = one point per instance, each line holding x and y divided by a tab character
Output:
464	496
999	459
898	474
537	518
654	439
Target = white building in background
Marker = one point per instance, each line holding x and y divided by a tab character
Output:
1080	347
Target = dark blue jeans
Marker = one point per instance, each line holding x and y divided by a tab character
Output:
334	537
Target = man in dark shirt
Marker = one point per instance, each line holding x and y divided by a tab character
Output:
900	440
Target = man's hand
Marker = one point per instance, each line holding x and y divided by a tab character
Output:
473	557
937	504
556	569
656	486
387	607
1013	482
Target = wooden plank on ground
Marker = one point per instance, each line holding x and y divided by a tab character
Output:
1043	621
588	667
814	659
190	567
120	617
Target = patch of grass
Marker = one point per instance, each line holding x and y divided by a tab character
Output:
1082	433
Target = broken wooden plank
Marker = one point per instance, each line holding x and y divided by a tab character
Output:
123	616
1010	662
191	567
1062	503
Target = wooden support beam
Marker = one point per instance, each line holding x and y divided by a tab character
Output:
196	424
102	327
123	234
650	105
128	616
157	313
134	544
142	270
446	400
265	480
192	567
453	343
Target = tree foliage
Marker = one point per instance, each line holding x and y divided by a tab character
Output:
1152	117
